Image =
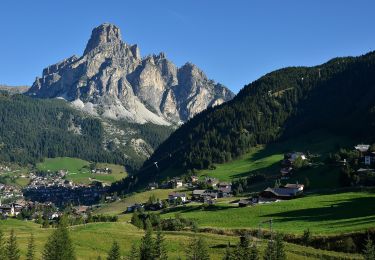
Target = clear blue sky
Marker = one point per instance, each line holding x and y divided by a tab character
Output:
234	42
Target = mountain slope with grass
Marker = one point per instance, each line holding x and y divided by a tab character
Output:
337	97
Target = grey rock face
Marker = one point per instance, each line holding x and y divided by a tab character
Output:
112	80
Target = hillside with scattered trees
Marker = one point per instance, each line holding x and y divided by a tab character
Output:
338	97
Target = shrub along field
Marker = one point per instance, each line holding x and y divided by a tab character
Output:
321	213
95	239
79	170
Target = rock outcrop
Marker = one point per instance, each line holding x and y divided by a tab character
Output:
112	80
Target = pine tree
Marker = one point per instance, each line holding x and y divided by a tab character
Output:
254	253
369	251
197	250
59	245
269	252
160	250
275	249
134	252
30	255
280	251
228	253
243	248
306	238
114	252
3	250
13	253
146	251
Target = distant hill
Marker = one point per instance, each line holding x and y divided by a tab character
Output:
14	89
32	129
338	97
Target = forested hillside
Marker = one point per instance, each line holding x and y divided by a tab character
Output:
338	96
31	129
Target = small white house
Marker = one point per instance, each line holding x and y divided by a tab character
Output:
174	196
297	188
362	147
295	156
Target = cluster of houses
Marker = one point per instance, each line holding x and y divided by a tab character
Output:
209	196
105	170
53	187
288	164
10	192
49	180
367	157
35	210
4	169
11	209
62	195
286	192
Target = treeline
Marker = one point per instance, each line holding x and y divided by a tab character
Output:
31	129
337	97
143	220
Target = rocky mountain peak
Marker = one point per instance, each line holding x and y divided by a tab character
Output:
112	80
103	34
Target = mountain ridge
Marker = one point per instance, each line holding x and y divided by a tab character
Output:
112	80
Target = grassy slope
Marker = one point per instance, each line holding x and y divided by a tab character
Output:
322	214
95	239
79	170
266	160
14	177
120	206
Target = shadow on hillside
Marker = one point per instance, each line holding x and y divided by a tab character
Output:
271	170
196	209
346	209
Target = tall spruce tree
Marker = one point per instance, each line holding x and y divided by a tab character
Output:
280	251
369	251
269	252
197	249
275	249
229	253
59	245
243	248
147	248
3	250
30	255
13	253
134	252
114	252
160	250
254	253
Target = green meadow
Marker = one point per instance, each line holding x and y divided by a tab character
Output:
93	240
321	213
79	170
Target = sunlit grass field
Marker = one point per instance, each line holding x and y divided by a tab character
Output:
93	240
79	170
321	213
